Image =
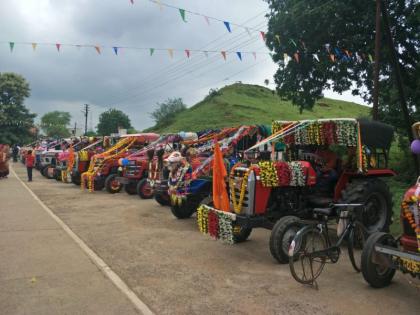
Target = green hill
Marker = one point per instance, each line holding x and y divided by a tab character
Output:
239	104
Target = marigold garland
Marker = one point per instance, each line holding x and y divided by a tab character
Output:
268	174
411	213
237	204
218	224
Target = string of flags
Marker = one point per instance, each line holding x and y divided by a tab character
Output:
333	54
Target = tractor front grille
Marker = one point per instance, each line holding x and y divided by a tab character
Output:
132	170
249	200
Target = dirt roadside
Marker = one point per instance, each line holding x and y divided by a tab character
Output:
176	270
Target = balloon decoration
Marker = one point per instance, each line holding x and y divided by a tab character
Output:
415	146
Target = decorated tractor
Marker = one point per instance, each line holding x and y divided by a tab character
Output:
49	158
305	165
190	179
134	169
103	167
383	254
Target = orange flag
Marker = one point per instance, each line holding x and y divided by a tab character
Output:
220	196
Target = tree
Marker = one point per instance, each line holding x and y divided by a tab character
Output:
16	122
55	124
331	44
111	120
166	111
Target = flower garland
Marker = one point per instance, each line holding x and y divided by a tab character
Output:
237	204
411	213
298	177
268	174
217	224
175	180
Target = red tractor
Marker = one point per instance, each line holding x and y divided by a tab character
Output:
134	169
103	167
301	167
383	254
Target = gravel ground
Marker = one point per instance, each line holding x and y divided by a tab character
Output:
176	270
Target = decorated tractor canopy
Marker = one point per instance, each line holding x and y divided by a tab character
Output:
305	165
190	177
383	254
103	167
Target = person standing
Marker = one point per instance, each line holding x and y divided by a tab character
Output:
29	161
15	152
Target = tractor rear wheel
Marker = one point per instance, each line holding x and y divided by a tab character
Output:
144	190
377	199
112	185
282	235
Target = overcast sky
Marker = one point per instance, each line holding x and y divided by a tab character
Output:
132	81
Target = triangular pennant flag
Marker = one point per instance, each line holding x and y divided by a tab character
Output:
34	46
278	38
58	47
227	24
171	52
152	50
248	31
332	57
347	53
285	58
207	20
206	53
303	44
370	58
296	55
115	50
182	12
223	54
187	52
316	57
98	49
11	45
262	35
358	58
239	54
293	42
255	55
327	47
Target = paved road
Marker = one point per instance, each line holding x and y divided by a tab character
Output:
42	270
176	270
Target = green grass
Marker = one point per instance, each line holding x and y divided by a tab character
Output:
241	104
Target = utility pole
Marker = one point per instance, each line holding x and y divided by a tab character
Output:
376	66
86	113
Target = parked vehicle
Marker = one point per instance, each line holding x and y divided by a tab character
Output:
383	254
295	170
103	167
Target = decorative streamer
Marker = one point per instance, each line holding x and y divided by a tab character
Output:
227	26
370	58
327	47
224	54
58	47
115	50
296	55
286	58
238	53
262	35
187	52
293	42
11	45
182	13
171	52
98	49
278	38
316	57
152	50
332	57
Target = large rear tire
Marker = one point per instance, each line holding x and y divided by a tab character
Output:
112	185
162	199
375	195
282	235
144	190
377	276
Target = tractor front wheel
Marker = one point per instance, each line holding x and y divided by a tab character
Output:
241	233
112	185
374	194
144	190
184	210
282	235
130	188
162	199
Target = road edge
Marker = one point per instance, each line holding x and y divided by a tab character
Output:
102	266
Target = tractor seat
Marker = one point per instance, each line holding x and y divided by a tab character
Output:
320	201
324	211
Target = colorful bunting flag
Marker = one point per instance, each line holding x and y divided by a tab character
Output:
316	57
332	57
206	53
285	58
207	20
248	31
98	49
370	58
293	42
255	55
224	55
227	24
238	53
278	38
132	1
58	47
152	50
327	47
296	55
187	52
34	46
11	45
182	12
171	52
115	50
262	35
